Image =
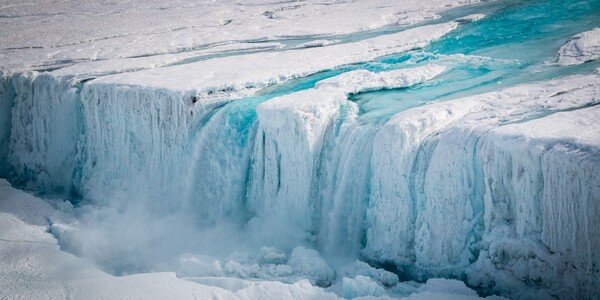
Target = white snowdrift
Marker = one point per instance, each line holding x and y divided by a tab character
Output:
58	34
232	77
580	48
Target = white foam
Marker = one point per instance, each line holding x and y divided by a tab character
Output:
37	268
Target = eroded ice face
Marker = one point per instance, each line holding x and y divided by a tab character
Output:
442	149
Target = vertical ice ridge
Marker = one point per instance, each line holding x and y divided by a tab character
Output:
441	172
390	221
149	129
293	143
302	129
543	234
7	95
44	131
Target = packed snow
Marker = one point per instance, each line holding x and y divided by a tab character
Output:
49	34
580	48
300	150
261	70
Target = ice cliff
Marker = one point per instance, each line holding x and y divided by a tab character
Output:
500	189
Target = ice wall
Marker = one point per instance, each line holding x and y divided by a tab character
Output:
542	203
441	199
149	127
150	134
44	129
302	141
6	101
67	138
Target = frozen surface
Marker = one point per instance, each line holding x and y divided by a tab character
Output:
49	34
580	48
210	80
363	81
259	150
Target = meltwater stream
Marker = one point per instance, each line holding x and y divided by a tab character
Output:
515	44
404	174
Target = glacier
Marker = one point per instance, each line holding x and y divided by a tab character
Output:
343	160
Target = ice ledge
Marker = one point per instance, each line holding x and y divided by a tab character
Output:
580	48
240	76
364	81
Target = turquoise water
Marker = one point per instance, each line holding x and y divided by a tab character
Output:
515	43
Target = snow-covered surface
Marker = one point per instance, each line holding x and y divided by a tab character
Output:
211	80
48	34
471	18
581	48
363	81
